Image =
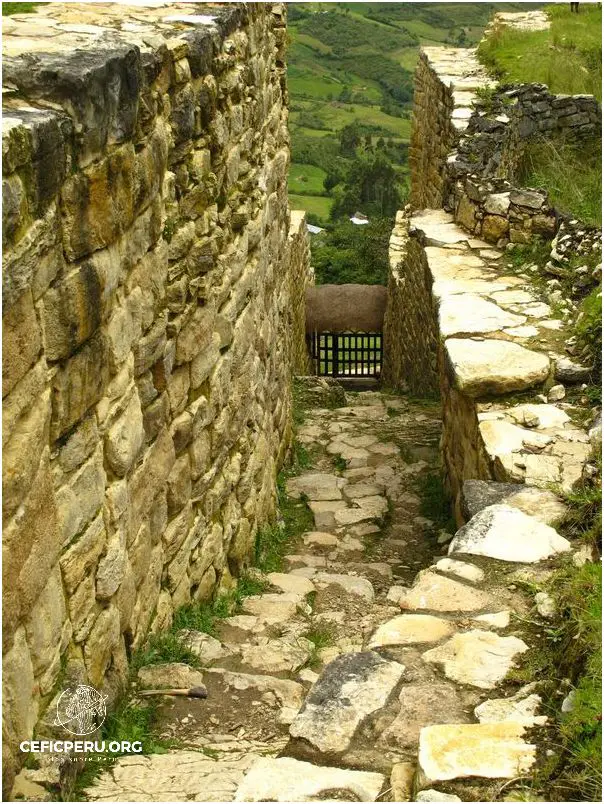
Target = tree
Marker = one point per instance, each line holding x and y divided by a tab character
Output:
350	138
371	186
349	253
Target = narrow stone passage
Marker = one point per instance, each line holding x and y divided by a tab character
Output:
331	684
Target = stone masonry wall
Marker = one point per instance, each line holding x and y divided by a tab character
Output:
301	277
151	325
410	324
445	84
452	297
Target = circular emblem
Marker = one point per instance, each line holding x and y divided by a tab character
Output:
81	710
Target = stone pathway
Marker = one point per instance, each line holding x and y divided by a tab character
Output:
408	692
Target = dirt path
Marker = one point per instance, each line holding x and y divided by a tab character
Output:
319	689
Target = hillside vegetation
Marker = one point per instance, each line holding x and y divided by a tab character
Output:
352	64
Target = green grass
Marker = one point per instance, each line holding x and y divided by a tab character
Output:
322	635
567	57
20	8
578	593
160	649
306	179
569	649
314	204
572	175
207	615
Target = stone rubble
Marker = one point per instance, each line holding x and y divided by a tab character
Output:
409	696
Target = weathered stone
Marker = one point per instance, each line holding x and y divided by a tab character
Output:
18	692
288	582
316	538
435	592
521	708
541	504
494	367
124	439
277	655
173	675
22	454
408	629
469	313
79	384
500	619
566	370
495	751
176	775
478	658
83	555
80	498
272	609
20	341
364	508
101	644
324	512
289	694
350	688
417	710
316	486
503	532
48	630
111	568
468	572
286	779
349	583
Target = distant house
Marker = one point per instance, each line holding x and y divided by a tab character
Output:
314	229
359	219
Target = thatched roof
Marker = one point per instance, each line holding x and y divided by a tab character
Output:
345	308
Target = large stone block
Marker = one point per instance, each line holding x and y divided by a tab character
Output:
23	395
97	204
195	334
483	367
125	437
151	475
22	454
79	384
20	701
81	497
20	341
48	631
102	641
30	547
82	556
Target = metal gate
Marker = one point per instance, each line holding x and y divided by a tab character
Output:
346	354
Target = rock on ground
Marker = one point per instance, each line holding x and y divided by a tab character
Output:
503	532
478	658
493	750
286	779
350	688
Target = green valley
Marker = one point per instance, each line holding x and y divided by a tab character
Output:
350	76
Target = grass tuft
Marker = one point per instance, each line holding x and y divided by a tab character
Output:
567	57
571	173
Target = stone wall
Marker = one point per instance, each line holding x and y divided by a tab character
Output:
410	325
302	277
469	136
435	129
497	340
455	311
151	325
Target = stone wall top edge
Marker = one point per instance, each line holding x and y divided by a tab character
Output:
61	47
